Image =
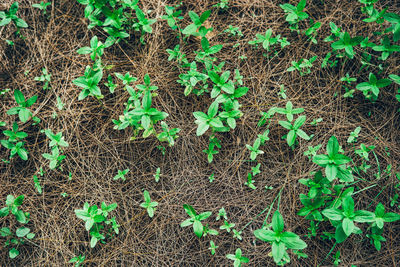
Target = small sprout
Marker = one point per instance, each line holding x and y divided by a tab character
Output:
157	175
238	259
121	175
148	204
212	247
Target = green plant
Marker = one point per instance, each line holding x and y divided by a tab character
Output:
173	16
197	28
334	163
42	6
55	157
354	135
14	142
22	109
148	204
22	233
212	247
121	175
221	214
168	135
343	219
238	259
45	77
348	80
227	226
96	48
195	220
280	240
204	121
303	65
157	175
347	43
311	32
268	41
295	14
254	150
144	24
386	48
222	4
371	88
89	82
192	78
78	260
10	15
96	221
294	130
394	19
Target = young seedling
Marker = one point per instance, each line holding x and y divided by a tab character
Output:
121	175
227	226
280	240
42	6
197	28
294	130
195	220
303	65
268	41
168	135
344	219
96	221
354	135
78	260
55	157
148	204
89	82
10	15
221	214
212	247
21	233
22	110
45	77
223	4
334	163
237	234
386	48
394	19
173	16
347	43
56	139
311	32
204	121
254	150
157	175
144	24
14	142
96	48
295	14
238	259
371	88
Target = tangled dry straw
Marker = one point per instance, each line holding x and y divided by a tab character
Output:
97	151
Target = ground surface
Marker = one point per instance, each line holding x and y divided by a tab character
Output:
96	151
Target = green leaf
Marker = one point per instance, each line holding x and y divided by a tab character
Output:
190	210
265	235
331	172
22	231
332	148
93	242
277	222
19	97
13	253
198	228
24	115
202	128
348	226
293	241
333	214
278	250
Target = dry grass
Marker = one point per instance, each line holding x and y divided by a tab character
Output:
97	151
